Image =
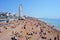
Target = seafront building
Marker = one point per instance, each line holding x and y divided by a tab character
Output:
5	15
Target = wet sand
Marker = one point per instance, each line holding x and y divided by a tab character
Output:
28	29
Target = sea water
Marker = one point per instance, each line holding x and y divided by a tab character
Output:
55	22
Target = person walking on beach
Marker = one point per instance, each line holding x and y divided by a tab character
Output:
7	17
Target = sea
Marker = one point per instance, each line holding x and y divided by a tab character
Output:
55	22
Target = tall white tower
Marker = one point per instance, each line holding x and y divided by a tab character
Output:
20	12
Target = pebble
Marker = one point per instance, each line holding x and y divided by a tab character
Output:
43	37
33	31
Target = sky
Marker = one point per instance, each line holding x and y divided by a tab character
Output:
33	8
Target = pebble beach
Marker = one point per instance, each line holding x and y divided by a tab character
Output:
28	29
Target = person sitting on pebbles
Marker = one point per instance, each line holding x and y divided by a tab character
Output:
14	38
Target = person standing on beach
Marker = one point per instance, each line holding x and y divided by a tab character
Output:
7	18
